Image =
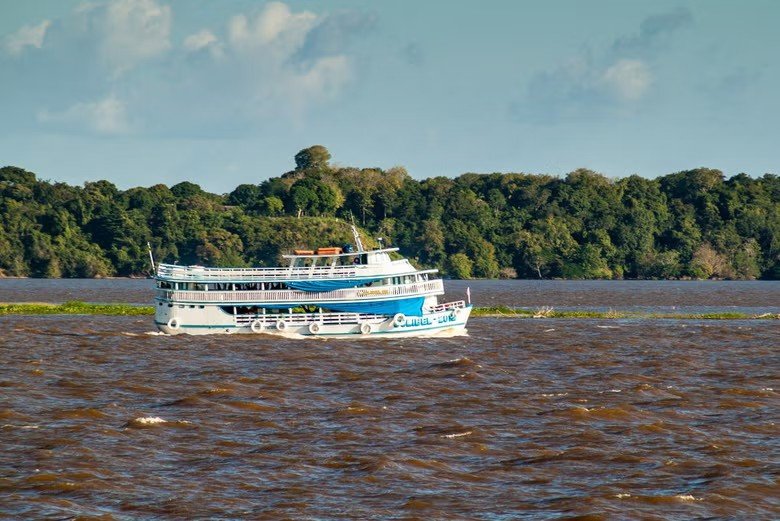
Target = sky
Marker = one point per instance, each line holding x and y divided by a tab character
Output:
222	93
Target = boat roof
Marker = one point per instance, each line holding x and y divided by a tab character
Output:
195	273
323	255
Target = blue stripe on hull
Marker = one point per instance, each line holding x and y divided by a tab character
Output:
327	285
409	306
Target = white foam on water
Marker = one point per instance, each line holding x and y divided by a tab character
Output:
156	333
608	327
687	497
456	435
11	426
622	495
149	420
549	395
549	330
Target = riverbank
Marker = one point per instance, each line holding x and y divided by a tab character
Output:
85	308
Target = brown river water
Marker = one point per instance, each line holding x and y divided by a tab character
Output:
101	418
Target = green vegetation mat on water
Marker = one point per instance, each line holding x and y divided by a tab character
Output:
85	308
73	308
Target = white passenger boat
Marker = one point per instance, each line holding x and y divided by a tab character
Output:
328	292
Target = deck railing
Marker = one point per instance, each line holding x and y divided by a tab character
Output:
431	287
448	305
195	273
296	319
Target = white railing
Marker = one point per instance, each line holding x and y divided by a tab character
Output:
302	319
448	305
197	273
431	287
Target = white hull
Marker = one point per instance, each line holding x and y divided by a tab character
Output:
206	319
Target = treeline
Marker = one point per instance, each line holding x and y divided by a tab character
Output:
693	223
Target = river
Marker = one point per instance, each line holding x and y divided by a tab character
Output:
525	418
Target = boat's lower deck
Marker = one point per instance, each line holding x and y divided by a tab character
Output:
175	319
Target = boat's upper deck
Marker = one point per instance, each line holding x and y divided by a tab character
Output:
361	265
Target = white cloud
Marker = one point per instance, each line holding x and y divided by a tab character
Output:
26	36
107	116
274	65
200	40
628	79
134	31
275	26
609	81
323	81
266	52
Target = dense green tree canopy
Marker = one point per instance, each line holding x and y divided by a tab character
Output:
693	223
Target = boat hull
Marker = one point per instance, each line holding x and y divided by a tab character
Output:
176	320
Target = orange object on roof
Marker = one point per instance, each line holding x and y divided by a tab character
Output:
328	251
303	252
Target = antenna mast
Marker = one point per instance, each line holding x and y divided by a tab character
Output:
151	257
358	242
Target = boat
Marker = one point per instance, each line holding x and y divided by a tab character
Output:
327	292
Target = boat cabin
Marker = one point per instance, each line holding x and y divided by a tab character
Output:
338	257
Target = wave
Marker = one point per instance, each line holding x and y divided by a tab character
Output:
153	421
457	362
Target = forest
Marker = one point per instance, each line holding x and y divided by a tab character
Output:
688	224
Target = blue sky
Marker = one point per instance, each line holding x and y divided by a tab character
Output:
222	93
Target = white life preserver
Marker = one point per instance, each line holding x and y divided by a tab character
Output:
281	325
365	328
314	328
257	326
399	319
174	323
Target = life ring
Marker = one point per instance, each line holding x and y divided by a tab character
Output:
314	328
174	323
365	328
399	319
257	326
281	325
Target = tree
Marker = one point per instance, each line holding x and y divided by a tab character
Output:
689	223
459	266
313	158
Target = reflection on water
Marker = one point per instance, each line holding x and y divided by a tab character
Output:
528	418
